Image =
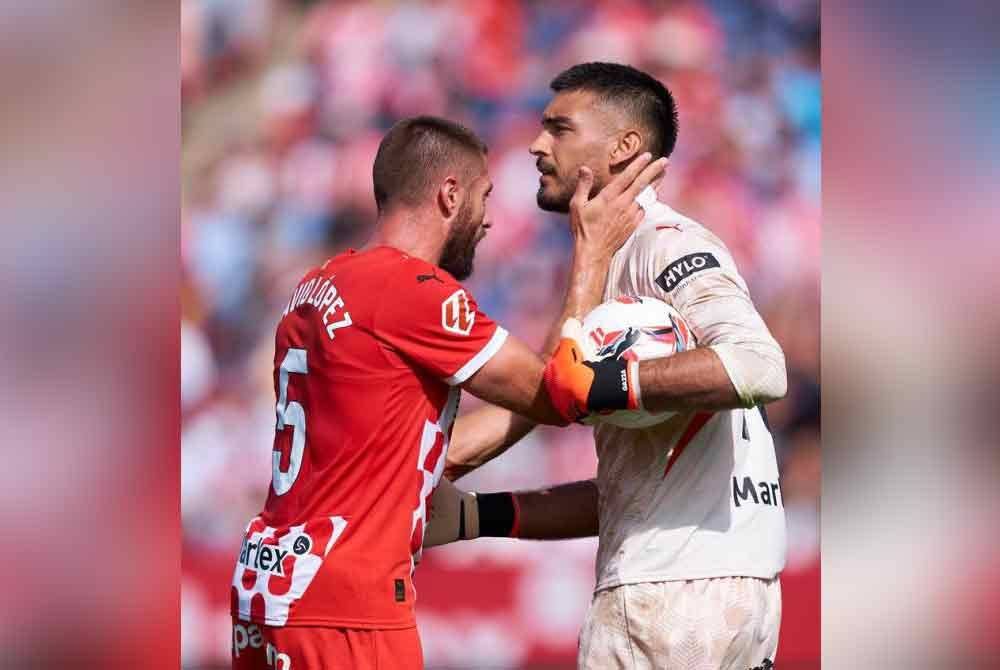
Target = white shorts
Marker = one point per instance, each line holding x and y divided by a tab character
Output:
728	623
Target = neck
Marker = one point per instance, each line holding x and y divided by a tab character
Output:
409	232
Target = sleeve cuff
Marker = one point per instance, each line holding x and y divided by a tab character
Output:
479	360
729	358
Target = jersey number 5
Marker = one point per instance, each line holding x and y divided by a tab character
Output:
290	414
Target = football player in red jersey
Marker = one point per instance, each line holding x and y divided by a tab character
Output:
371	354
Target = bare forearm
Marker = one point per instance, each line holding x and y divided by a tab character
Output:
558	513
512	379
480	436
600	227
586	289
690	380
486	433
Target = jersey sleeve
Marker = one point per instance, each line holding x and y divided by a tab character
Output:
694	272
436	324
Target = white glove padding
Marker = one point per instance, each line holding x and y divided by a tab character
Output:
572	329
453	515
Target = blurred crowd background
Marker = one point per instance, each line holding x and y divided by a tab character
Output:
283	105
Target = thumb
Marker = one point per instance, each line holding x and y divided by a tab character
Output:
584	182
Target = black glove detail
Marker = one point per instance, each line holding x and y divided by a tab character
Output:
496	514
609	390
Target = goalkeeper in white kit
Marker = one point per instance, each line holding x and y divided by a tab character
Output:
689	512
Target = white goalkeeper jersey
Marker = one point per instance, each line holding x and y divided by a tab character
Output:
698	495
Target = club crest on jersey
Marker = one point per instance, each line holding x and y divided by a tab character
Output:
684	267
457	315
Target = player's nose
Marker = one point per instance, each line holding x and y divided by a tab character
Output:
538	147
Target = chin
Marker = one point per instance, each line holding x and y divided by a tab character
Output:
548	203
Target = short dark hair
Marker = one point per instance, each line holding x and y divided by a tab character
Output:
642	96
414	152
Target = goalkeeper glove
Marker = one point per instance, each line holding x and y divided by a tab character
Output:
578	387
463	515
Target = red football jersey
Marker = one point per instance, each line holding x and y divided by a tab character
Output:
368	355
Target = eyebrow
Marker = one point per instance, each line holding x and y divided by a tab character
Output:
556	121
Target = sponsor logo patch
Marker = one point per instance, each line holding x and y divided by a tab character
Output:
265	557
251	637
760	493
260	556
302	545
684	267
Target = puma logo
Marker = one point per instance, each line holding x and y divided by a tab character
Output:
423	278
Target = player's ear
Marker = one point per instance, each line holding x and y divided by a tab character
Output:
627	147
449	197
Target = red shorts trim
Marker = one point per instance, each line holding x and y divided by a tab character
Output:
261	647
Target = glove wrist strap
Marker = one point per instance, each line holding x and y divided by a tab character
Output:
610	388
497	514
635	390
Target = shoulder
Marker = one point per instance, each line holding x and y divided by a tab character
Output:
414	291
670	248
668	234
424	281
389	269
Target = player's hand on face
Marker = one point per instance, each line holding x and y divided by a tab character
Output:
601	224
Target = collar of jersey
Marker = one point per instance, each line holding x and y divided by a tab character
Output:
646	198
657	212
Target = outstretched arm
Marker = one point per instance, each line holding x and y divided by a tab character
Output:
600	225
512	380
480	436
557	513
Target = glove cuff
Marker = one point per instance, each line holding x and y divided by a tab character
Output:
498	515
610	389
635	390
468	516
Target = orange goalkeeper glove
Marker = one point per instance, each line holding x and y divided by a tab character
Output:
578	387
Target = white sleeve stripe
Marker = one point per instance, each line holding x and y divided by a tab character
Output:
480	359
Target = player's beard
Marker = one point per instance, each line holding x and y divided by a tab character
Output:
556	197
460	247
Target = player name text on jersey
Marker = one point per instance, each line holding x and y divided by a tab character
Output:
319	292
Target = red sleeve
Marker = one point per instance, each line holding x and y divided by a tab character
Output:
434	322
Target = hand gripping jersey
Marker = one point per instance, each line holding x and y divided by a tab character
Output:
368	354
697	496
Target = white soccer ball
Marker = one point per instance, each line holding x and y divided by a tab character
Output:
634	329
